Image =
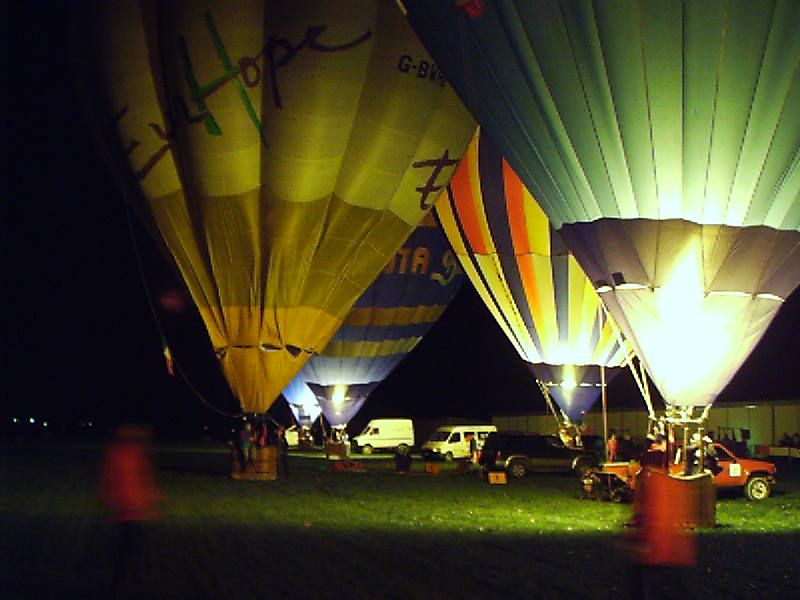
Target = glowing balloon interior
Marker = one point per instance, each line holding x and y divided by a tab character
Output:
302	402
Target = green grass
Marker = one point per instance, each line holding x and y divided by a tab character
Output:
325	534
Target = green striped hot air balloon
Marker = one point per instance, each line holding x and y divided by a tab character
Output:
662	139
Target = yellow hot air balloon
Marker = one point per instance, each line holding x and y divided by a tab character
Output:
281	150
662	139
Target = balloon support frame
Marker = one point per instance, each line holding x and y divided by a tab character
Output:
664	429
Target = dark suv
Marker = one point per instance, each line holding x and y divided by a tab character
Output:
520	453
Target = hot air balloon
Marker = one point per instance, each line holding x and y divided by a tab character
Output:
281	151
530	282
302	402
387	321
662	139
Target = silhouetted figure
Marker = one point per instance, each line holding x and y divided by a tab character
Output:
625	448
402	460
283	452
129	492
246	447
612	447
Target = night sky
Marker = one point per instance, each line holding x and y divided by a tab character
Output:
81	340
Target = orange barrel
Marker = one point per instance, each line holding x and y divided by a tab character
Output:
700	494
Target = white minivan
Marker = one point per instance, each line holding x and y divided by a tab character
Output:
452	441
385	434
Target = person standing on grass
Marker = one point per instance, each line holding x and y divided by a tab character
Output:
283	453
246	448
129	491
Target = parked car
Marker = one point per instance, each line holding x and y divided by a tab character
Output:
385	434
520	453
452	441
292	436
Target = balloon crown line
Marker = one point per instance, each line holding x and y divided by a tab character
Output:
676	414
619	283
294	351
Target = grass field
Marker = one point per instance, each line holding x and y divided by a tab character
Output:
323	534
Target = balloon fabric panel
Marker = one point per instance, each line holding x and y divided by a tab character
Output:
386	322
302	402
282	150
713	288
575	388
540	301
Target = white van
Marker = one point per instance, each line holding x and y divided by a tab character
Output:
385	434
452	441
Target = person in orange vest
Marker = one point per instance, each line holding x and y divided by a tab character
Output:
612	447
128	490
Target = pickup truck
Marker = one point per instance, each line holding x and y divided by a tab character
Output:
755	478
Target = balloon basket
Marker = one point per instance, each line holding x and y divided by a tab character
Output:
264	467
700	493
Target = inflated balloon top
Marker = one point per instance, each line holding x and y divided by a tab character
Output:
281	150
662	139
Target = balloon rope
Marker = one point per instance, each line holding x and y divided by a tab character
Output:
639	378
148	295
549	401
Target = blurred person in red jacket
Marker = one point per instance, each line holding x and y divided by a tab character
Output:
128	490
663	546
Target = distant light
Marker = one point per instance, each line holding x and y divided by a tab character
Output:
751	406
91	424
32	420
15	419
339	395
44	423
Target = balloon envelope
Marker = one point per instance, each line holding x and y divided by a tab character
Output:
530	282
281	151
387	321
302	402
662	139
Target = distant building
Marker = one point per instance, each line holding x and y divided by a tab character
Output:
759	423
